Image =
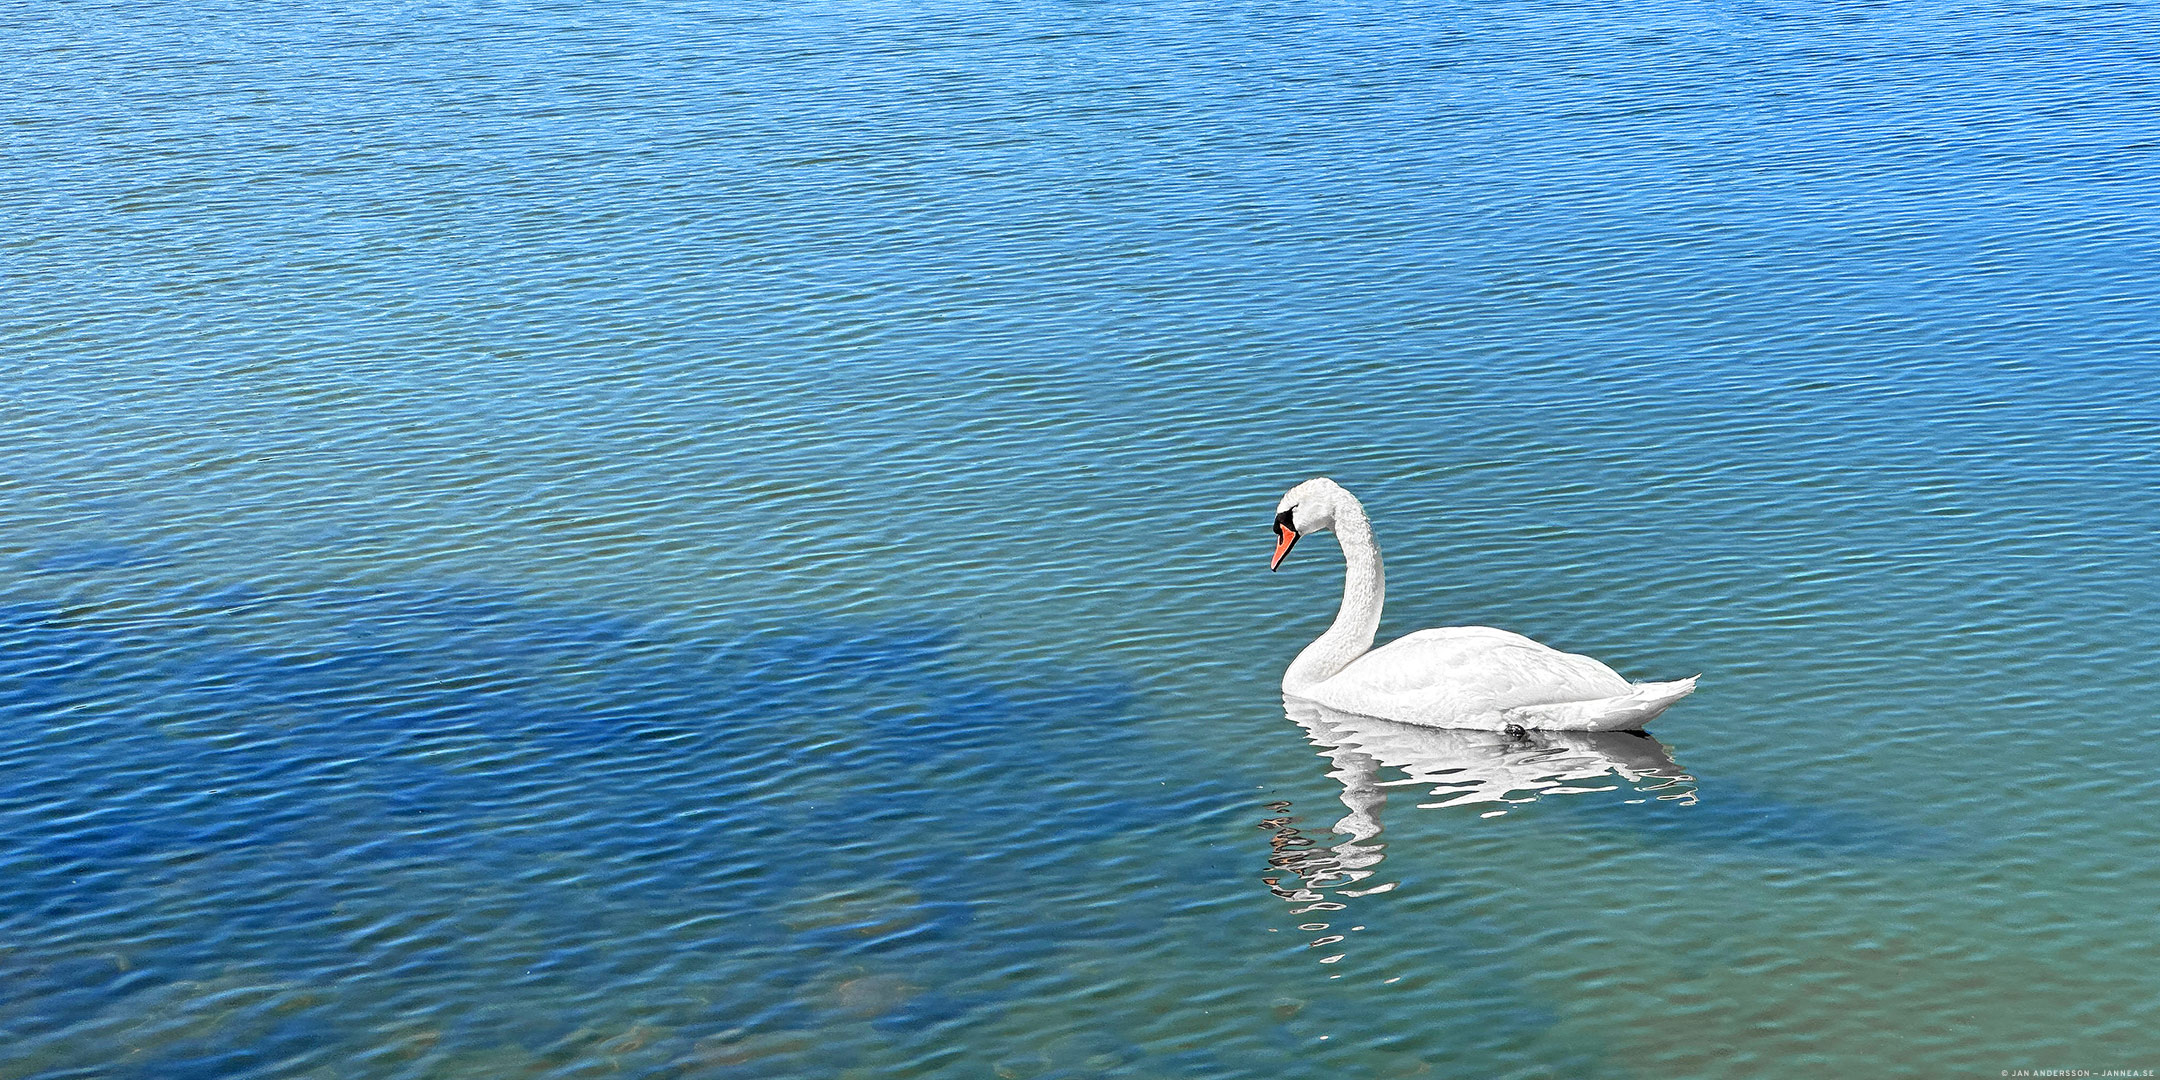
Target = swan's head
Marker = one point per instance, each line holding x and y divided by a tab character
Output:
1309	507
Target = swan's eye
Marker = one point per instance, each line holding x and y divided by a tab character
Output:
1282	521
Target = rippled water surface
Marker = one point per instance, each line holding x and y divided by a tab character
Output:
661	540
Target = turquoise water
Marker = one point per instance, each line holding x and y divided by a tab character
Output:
653	540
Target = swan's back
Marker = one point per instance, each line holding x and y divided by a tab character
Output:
1478	676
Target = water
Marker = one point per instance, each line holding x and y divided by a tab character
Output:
651	540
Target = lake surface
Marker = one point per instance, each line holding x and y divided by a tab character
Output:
663	540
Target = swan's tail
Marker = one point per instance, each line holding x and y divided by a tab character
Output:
1648	700
1627	712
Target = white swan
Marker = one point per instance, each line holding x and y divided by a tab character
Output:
1452	677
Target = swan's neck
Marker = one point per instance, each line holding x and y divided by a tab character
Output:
1364	589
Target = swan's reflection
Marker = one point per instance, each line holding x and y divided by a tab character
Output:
1456	768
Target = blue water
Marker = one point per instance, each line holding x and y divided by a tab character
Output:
656	540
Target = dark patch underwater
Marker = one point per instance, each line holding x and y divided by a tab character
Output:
361	813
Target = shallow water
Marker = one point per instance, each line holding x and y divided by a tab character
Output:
650	541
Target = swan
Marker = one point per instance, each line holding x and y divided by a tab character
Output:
1450	677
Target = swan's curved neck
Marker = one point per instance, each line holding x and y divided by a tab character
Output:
1364	590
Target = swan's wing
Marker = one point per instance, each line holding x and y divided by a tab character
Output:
1465	671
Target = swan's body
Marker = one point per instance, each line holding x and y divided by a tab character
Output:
1455	676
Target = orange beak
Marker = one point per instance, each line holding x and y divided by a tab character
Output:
1284	537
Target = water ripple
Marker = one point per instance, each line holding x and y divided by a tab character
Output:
679	542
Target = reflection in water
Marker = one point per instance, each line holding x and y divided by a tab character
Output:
1459	768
